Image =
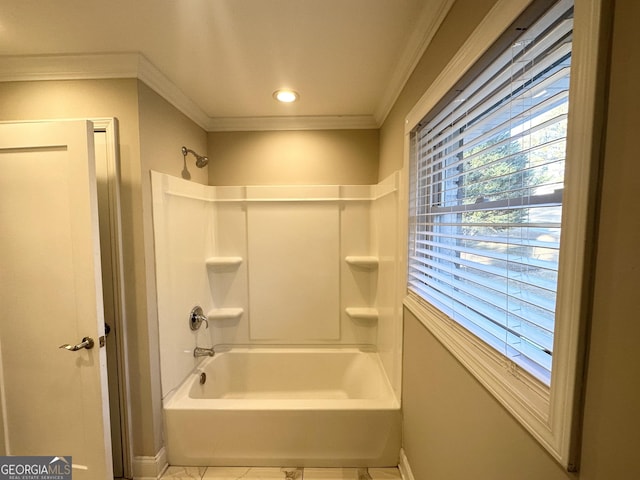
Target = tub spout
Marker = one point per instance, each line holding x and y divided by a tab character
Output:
203	352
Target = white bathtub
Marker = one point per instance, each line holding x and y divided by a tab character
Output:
324	407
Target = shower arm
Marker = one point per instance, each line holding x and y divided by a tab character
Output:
201	161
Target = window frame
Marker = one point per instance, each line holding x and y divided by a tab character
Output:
550	414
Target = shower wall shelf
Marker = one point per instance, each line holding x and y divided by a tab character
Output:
224	314
362	261
223	262
362	313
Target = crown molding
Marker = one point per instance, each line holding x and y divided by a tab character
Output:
135	65
168	90
321	122
99	66
430	19
68	67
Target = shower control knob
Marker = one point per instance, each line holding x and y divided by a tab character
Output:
196	317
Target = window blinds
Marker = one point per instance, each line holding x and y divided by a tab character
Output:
486	200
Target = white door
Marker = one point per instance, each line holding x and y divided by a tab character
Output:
54	400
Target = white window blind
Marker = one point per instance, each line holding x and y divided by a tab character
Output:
486	200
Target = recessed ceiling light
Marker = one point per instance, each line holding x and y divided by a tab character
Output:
286	96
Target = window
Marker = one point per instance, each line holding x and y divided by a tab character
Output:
497	225
488	178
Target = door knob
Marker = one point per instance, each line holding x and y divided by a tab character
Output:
87	342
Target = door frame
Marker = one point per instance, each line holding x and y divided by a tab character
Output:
109	126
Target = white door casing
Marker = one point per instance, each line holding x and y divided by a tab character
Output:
54	401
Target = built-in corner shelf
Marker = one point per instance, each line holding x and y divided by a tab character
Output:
222	265
224	314
362	261
362	313
223	262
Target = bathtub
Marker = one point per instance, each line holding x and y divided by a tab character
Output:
304	407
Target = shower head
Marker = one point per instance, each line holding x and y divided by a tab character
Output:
200	160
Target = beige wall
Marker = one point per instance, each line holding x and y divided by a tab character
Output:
319	157
453	429
612	417
151	133
163	132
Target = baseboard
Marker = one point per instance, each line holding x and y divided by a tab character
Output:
403	466
150	468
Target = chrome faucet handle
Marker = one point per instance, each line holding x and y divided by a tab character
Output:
196	317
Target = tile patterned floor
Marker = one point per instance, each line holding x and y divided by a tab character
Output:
256	473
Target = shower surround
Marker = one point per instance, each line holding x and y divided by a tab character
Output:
287	266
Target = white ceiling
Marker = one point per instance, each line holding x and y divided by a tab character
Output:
220	60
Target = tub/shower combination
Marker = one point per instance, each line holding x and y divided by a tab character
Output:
285	406
296	264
